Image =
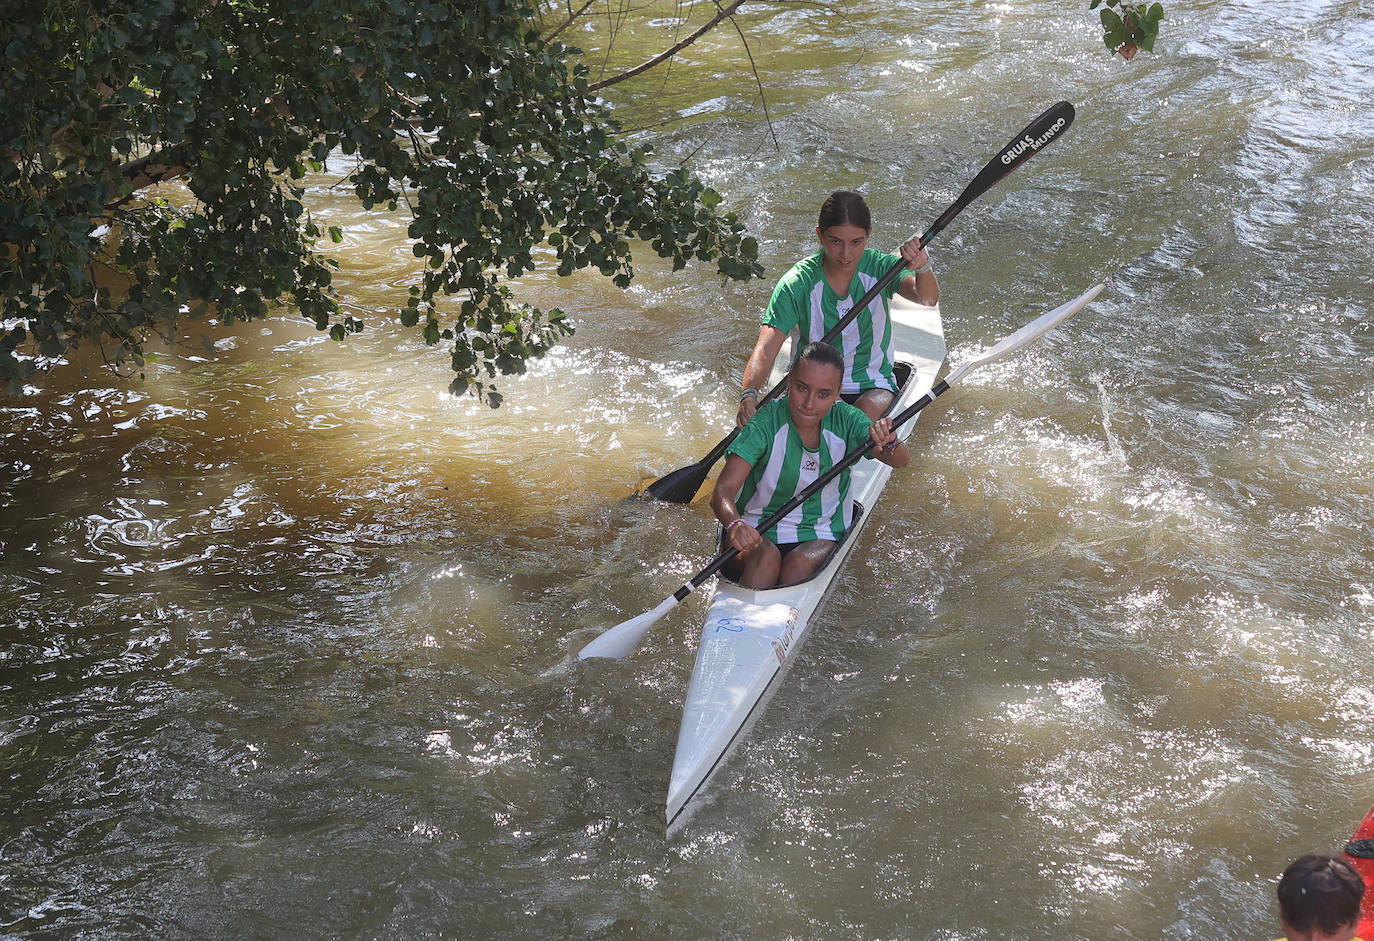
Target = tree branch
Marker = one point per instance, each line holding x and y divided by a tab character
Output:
572	17
146	171
724	13
758	80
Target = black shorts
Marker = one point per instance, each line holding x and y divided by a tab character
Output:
852	397
735	567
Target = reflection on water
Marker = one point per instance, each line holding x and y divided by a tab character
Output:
289	627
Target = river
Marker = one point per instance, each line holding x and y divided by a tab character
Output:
289	630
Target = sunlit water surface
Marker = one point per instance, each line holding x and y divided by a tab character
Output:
288	629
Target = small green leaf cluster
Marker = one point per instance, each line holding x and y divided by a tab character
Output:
456	113
1128	26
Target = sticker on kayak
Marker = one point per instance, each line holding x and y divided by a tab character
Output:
784	643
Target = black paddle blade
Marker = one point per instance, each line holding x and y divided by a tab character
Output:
1360	849
1032	139
681	485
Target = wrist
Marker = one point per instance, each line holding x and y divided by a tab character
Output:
924	268
749	394
738	521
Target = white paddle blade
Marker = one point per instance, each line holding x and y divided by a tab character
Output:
620	641
1030	332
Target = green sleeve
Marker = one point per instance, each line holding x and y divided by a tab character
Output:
857	425
752	440
787	305
884	265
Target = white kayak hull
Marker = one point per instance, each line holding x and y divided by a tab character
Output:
750	637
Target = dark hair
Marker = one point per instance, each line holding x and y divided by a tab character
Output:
844	208
823	353
1322	890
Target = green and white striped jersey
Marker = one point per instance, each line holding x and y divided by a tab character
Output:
783	467
804	301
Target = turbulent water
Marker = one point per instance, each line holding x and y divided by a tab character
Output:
288	630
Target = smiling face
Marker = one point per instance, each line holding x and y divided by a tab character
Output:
812	388
843	245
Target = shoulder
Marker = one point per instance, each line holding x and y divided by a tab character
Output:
791	292
875	262
805	272
772	415
755	438
852	412
848	417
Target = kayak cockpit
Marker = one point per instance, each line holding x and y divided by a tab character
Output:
901	372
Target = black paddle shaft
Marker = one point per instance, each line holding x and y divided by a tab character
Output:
1025	145
846	462
1033	137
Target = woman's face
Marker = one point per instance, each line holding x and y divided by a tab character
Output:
811	389
843	244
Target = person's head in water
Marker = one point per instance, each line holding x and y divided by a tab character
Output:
1319	899
843	228
813	385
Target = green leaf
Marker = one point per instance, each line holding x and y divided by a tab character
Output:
255	105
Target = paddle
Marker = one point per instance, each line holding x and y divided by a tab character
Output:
682	484
621	640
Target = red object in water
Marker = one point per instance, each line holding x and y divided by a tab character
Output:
1359	852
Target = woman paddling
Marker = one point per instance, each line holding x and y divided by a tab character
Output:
818	291
788	444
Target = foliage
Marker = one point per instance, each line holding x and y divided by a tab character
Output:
1128	26
456	113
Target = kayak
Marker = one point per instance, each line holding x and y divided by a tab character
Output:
750	637
1359	852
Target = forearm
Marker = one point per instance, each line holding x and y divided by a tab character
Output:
927	289
897	457
739	534
758	371
919	286
922	288
727	488
724	508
